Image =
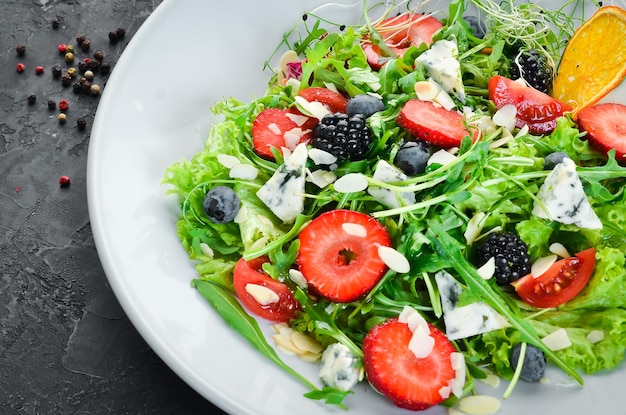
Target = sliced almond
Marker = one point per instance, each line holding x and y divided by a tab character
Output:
541	265
558	249
292	137
425	90
492	380
306	343
285	345
474	227
297	277
273	127
479	405
314	108
441	157
506	117
262	294
206	250
488	269
394	259
298	119
354	229
321	157
320	178
351	183
243	171
227	160
421	343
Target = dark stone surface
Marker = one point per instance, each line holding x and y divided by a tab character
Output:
66	346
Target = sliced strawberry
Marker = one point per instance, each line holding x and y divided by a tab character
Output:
605	127
334	101
396	372
432	124
534	108
339	263
274	127
399	33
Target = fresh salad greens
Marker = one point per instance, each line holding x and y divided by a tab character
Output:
496	178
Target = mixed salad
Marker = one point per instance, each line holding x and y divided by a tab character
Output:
409	206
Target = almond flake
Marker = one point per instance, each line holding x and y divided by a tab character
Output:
306	343
488	269
474	227
394	259
320	178
506	117
262	294
206	249
314	108
445	392
492	380
479	405
292	137
243	171
595	336
297	277
558	249
541	265
297	119
227	160
441	157
273	127
284	344
557	340
321	157
457	361
425	90
354	229
351	183
421	343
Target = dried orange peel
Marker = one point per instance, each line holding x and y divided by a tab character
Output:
594	60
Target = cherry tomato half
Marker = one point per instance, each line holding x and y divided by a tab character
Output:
250	272
560	283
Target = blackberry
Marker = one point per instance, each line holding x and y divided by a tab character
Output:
343	136
534	68
533	364
510	253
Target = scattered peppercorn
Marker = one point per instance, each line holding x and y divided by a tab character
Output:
89	75
31	99
62	48
56	71
86	87
82	80
94	65
70	48
69	57
56	23
62	118
39	70
99	55
81	123
66	79
63	105
85	45
20	67
113	37
105	68
95	89
82	67
80	39
20	50
77	87
52	104
64	181
120	32
71	72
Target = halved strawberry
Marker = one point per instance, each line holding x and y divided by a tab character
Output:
399	33
275	127
605	127
334	101
395	371
435	125
339	254
534	108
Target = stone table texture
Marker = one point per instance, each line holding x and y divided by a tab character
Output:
66	346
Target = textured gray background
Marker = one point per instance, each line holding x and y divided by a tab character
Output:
66	346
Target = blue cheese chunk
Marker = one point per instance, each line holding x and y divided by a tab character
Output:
563	198
339	367
441	62
468	320
387	173
283	193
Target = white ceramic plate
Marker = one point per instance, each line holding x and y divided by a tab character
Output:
155	111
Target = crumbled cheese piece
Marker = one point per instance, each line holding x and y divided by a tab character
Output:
442	64
387	173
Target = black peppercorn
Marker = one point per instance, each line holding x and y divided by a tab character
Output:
113	37
20	50
31	99
51	104
80	39
56	23
81	123
66	79
99	55
56	71
82	80
85	45
94	66
82	67
85	87
77	87
120	32
105	68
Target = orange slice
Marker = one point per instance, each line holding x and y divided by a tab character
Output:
594	60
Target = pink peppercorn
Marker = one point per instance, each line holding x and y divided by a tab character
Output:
62	48
64	181
39	70
63	105
20	67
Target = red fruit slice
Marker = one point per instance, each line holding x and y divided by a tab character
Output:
334	101
605	127
394	370
273	127
534	108
433	124
399	33
251	272
338	263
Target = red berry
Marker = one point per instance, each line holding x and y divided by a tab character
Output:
62	48
269	129
64	181
39	70
338	263
605	128
20	67
63	105
334	101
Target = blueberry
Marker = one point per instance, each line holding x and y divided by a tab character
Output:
477	26
553	159
364	104
534	364
221	204
412	157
